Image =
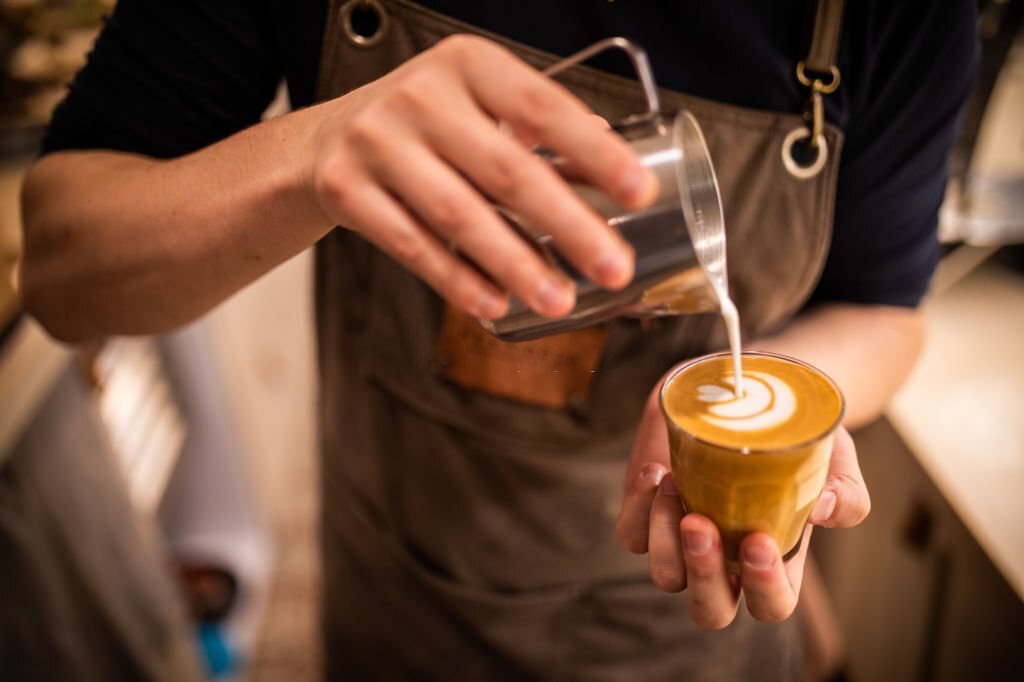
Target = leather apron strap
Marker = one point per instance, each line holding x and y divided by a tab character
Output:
824	80
824	45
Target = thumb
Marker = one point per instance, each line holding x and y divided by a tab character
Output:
845	501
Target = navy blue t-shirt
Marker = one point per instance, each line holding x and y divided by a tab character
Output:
168	77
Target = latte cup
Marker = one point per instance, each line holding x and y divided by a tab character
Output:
756	462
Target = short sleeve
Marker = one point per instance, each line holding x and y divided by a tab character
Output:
914	68
167	77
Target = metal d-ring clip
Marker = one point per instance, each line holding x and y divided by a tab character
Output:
354	36
636	55
815	115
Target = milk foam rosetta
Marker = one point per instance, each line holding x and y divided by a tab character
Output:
783	403
766	402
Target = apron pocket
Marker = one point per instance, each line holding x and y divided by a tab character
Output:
401	351
452	631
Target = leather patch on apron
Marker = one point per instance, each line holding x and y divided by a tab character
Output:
554	371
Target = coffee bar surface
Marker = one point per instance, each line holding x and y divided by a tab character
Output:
961	410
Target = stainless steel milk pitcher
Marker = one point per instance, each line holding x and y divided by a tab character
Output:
679	240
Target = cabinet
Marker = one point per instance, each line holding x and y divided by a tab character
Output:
916	596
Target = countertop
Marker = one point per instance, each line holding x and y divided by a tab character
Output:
962	410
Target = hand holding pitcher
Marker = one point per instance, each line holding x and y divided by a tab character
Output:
413	160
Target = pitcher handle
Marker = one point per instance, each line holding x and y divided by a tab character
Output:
636	55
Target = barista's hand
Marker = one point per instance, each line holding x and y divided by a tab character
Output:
408	160
686	552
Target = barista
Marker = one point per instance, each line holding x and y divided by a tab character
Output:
469	523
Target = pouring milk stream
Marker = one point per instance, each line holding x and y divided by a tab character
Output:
679	240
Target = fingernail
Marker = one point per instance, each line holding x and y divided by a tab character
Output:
667	486
697	543
825	507
757	557
612	268
652	473
553	297
637	185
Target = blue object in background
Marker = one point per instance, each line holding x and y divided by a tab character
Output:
217	653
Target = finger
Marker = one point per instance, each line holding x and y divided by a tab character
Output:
769	594
458	214
571	171
633	524
665	556
529	142
545	111
648	464
650	445
845	501
520	180
712	596
795	566
361	203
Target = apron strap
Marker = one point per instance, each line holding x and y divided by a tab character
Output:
821	60
828	20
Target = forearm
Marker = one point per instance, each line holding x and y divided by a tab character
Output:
868	350
124	244
412	162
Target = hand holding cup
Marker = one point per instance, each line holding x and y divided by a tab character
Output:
689	551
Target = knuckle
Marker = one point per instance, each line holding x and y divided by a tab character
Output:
362	132
409	250
667	580
704	567
461	46
523	274
453	213
538	107
332	183
416	92
648	480
507	174
663	521
460	289
698	571
854	496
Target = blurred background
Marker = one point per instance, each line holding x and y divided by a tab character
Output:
200	446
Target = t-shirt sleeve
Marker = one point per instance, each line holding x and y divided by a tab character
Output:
921	62
167	77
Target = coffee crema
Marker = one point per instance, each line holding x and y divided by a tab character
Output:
784	403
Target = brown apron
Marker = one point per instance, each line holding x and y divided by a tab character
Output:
470	536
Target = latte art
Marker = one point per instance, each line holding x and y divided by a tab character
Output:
766	402
783	402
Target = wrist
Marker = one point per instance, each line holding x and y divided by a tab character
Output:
297	138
